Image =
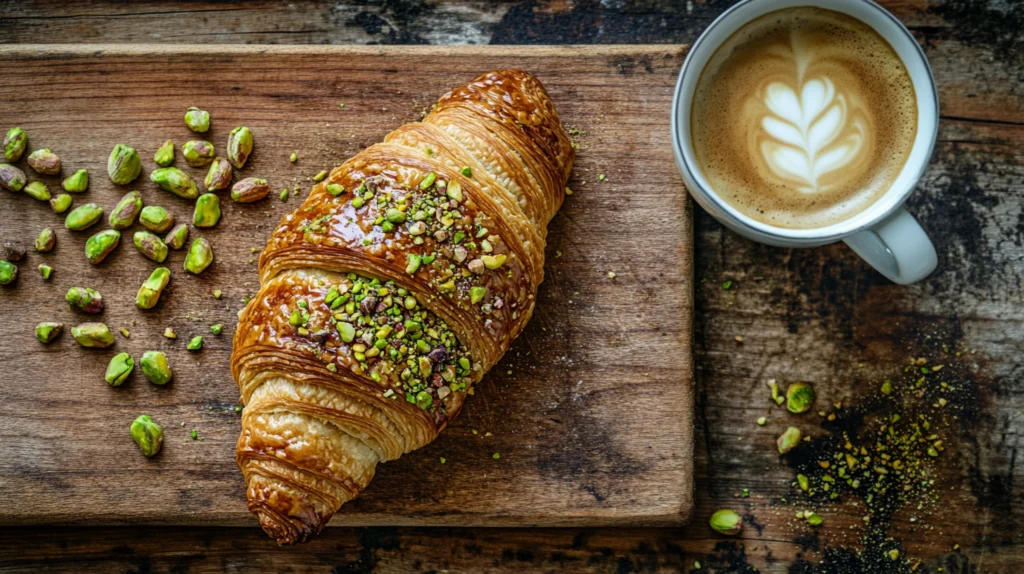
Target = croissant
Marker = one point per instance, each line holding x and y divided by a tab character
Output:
402	279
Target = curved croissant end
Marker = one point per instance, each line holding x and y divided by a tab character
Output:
400	281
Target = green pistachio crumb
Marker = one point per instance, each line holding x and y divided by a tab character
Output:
320	176
195	344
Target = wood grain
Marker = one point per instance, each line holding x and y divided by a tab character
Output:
591	410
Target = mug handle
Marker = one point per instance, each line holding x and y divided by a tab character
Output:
896	247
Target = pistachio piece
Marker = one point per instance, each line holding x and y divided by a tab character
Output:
197	120
197	152
11	178
200	256
126	210
394	215
149	293
150	245
46	271
477	294
726	522
83	217
219	176
335	189
454	191
320	176
85	299
195	344
165	154
8	272
788	440
156	218
173	180
14	144
493	261
466	171
77	182
119	369
799	397
95	335
207	212
176	237
60	202
46	240
100	245
249	190
239	146
44	161
284	194
37	190
155	367
46	333
148	435
217	329
123	165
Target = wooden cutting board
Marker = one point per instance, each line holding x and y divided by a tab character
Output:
591	409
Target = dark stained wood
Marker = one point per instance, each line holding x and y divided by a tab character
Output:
560	408
817	313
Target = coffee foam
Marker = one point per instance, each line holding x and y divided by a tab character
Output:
803	118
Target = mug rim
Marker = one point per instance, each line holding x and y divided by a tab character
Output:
819	235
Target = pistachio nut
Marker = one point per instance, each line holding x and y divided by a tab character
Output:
85	299
195	344
77	182
46	240
197	120
148	435
176	237
799	397
155	367
46	333
11	178
93	335
126	210
37	190
200	256
46	271
284	194
100	245
156	218
219	176
14	144
44	161
165	154
173	180
726	522
60	202
249	190
83	217
8	272
123	165
119	369
320	176
207	212
14	251
217	329
239	146
788	440
197	152
150	245
149	293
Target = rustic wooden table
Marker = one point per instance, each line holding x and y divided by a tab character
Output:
819	315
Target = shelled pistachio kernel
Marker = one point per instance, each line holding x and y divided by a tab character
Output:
126	210
239	146
150	246
47	332
207	211
83	217
148	435
93	335
200	256
123	165
197	120
45	240
60	202
195	344
799	397
46	271
8	272
99	246
176	237
155	367
788	440
726	521
37	190
217	329
164	154
77	182
219	176
156	218
198	153
44	161
14	144
119	369
173	180
149	293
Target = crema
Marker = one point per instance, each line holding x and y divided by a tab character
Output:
803	118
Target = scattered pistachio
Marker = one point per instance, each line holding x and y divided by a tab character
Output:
123	165
119	369
219	176
200	256
284	194
176	237
46	333
788	440
44	161
83	217
249	190
93	335
812	518
217	294
173	180
15	143
11	178
165	154
150	245
294	157
761	421
195	344
799	397
170	334
37	190
46	271
84	299
149	293
60	202
239	146
155	367
207	212
726	521
466	171
805	483
126	210
100	245
320	176
8	272
217	329
77	182
886	388
197	120
46	240
148	435
156	218
125	333
776	396
198	152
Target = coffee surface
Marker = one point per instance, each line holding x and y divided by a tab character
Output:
803	118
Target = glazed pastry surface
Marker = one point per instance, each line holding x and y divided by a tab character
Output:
401	280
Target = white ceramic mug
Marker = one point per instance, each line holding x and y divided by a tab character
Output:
884	234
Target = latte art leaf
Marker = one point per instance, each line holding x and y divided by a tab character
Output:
809	135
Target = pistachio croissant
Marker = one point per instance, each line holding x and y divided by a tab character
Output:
389	293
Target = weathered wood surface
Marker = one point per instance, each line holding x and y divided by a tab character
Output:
557	409
818	313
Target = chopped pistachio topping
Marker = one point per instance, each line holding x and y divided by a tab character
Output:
320	176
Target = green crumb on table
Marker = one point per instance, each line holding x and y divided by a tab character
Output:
761	421
601	177
194	434
238	408
46	271
125	333
466	171
217	329
170	334
320	176
745	493
284	194
727	285
217	294
195	344
294	157
443	460
496	455
813	519
341	105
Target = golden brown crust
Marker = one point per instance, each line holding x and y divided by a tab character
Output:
399	282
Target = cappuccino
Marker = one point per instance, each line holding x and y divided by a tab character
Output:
803	118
